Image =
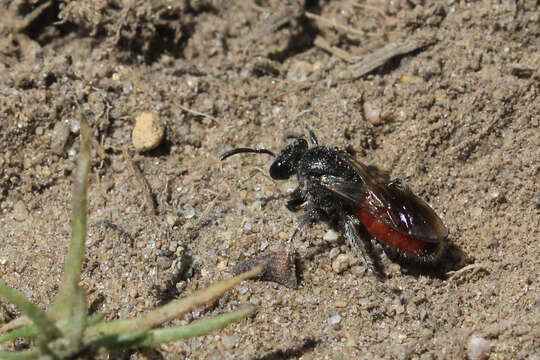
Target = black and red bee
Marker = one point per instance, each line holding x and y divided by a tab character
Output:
333	187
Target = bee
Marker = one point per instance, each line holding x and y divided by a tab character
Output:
359	200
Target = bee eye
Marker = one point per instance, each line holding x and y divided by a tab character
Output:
281	170
286	163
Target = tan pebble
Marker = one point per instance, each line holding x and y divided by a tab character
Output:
140	244
372	112
19	211
411	79
229	341
164	262
283	235
222	265
133	293
59	137
341	263
148	132
340	303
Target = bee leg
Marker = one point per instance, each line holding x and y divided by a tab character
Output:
309	217
296	200
400	184
361	244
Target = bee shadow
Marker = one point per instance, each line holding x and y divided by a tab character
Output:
452	259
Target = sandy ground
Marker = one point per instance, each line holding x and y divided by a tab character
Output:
457	118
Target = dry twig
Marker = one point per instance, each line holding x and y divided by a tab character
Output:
142	181
477	268
198	113
380	56
342	54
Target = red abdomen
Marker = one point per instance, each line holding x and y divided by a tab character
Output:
386	235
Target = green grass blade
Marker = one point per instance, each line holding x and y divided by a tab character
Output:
108	343
64	305
47	328
15	324
143	338
25	332
196	328
30	332
77	325
21	355
173	310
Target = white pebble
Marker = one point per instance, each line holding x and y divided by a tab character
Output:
334	319
334	252
19	211
188	211
74	125
478	348
331	236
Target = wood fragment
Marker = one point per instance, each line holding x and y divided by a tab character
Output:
142	181
280	268
380	56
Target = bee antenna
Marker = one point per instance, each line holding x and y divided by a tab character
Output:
245	150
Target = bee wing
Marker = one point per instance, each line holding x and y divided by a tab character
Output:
391	202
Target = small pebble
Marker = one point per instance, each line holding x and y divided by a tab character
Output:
222	265
180	286
19	211
133	293
229	341
148	132
334	252
59	137
164	262
334	319
340	303
255	301
478	348
341	263
74	125
372	113
299	71
330	236
127	87
173	246
171	219
188	211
